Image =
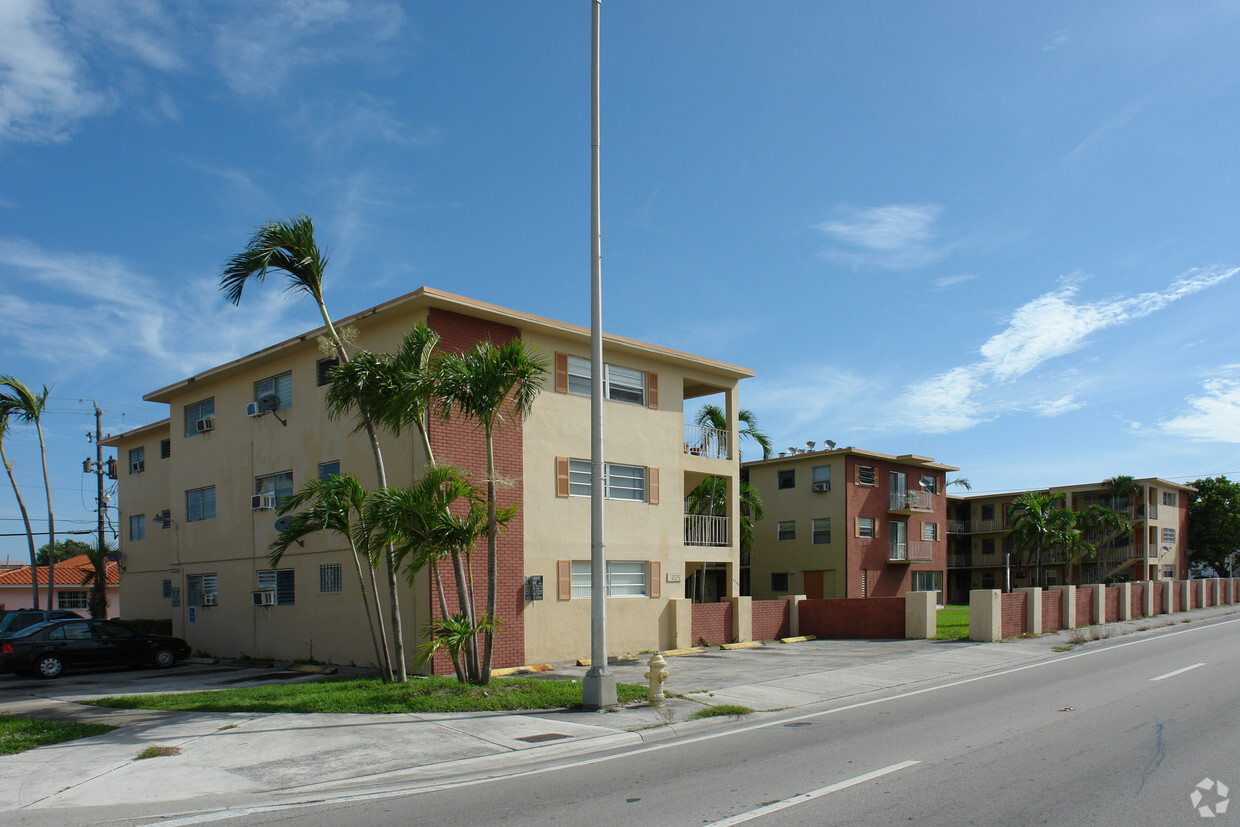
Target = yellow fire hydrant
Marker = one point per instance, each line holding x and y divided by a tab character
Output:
657	675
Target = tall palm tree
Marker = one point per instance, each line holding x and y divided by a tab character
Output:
6	410
962	482
27	406
1037	523
337	504
1120	486
289	247
484	384
1103	526
712	416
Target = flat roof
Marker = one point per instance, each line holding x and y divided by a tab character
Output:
908	459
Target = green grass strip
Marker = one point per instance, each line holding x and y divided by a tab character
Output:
371	696
20	734
721	711
953	623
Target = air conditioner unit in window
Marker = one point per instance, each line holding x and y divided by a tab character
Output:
206	424
821	486
264	597
263	502
210	599
251	409
137	467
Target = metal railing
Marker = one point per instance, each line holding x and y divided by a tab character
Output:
920	550
911	500
705	530
957	526
959	560
702	441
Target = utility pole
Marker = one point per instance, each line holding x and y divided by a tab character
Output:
99	472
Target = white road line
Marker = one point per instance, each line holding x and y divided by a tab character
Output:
1177	672
810	796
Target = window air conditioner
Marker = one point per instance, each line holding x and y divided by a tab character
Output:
137	467
251	409
821	486
206	424
263	502
210	599
264	597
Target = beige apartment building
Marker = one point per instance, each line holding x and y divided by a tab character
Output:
844	522
1156	548
198	493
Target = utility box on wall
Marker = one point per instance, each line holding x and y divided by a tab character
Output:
534	587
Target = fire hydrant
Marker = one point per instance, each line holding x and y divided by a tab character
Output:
657	675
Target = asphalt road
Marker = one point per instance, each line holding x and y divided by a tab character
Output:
1116	735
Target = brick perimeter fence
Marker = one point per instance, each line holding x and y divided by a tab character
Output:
853	618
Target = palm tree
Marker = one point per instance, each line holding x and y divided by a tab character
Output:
962	482
27	406
1076	545
289	247
752	512
712	416
1038	522
483	384
6	409
1120	486
97	579
1103	526
337	504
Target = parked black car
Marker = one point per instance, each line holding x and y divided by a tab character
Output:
15	620
47	649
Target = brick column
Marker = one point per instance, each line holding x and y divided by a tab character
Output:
742	619
1168	587
1125	601
1149	598
1033	609
921	617
794	614
681	611
985	615
1068	618
1100	603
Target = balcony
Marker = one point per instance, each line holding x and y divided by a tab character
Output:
701	441
957	526
959	561
705	530
910	502
911	552
1152	511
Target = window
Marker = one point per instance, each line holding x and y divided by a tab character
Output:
137	527
898	533
199	505
865	475
279	484
1169	572
821	531
199	585
779	581
929	531
196	412
927	581
330	581
865	526
620	482
281	386
572	375
787	529
165	518
988	512
1169	498
323	370
281	581
930	484
165	448
624	384
820	475
578	375
327	470
1168	535
579	478
71	600
625	578
787	478
167	588
988	545
137	460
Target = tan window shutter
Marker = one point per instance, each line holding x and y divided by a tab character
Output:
856	526
656	576
561	373
561	476
652	390
564	573
652	486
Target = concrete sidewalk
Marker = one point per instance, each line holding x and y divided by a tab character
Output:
234	757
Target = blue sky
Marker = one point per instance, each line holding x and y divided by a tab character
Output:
1002	235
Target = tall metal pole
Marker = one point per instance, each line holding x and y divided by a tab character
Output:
99	471
599	686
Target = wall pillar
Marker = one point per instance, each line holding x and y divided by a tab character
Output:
1100	603
742	619
1125	601
1218	592
1201	594
794	614
1148	598
985	615
1068	615
1186	594
1168	587
921	616
681	610
1033	609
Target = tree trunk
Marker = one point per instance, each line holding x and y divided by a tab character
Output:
34	580
492	560
443	612
51	522
381	661
465	600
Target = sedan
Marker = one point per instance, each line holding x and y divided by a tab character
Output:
47	649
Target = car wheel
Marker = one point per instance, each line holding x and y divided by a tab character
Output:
164	658
49	666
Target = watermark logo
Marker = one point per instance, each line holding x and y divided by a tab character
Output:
1220	793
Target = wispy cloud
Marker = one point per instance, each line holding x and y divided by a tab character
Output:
1057	407
1058	40
893	236
951	281
1047	327
1213	416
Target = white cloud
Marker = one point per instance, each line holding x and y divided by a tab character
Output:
951	281
1058	39
1057	407
942	404
1214	416
894	236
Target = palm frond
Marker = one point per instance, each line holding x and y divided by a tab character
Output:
285	246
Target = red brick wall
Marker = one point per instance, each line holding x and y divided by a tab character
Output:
875	618
1136	597
770	619
1084	607
712	622
462	442
1178	603
1014	608
1158	598
1111	605
1052	611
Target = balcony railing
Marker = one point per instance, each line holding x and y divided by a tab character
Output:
912	500
957	526
701	441
910	551
959	561
704	530
1152	511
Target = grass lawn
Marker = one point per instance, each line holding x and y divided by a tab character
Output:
953	623
371	696
20	734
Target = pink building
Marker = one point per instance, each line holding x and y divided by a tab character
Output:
71	589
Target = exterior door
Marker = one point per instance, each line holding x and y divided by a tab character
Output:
813	585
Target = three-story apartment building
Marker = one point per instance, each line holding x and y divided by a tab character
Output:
198	502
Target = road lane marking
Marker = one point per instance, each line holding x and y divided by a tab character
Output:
1177	672
810	796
